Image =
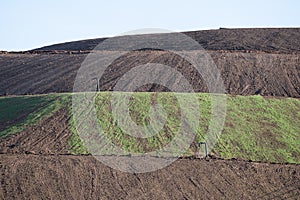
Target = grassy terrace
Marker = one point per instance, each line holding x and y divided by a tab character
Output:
18	112
256	128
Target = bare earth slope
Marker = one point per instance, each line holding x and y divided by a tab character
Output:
262	39
36	164
83	177
243	73
249	61
49	136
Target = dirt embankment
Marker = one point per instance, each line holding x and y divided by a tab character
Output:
83	177
243	73
282	40
32	164
50	136
35	164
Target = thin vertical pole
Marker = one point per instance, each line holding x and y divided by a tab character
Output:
206	148
98	84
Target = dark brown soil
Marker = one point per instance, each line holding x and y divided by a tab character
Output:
261	39
49	136
251	61
83	177
35	163
243	73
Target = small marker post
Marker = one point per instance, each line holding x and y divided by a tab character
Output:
206	149
98	84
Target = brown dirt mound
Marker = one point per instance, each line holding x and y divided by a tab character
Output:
28	171
49	136
261	39
56	176
83	177
243	73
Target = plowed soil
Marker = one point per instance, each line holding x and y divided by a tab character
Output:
261	39
83	177
49	136
251	61
243	73
36	164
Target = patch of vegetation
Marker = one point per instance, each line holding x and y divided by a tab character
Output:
256	128
32	109
139	108
261	129
12	107
75	143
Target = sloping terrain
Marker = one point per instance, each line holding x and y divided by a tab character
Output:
256	128
249	61
256	157
242	73
83	177
261	39
48	137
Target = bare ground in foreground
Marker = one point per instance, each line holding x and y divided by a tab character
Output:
83	177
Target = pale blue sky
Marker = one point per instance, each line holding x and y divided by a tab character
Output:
28	24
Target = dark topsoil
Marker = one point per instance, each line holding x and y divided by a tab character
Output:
83	177
35	164
269	74
261	39
250	61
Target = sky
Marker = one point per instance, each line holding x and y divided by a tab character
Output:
28	24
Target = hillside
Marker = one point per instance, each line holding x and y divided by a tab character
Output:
260	39
35	160
251	61
256	128
83	177
243	73
256	156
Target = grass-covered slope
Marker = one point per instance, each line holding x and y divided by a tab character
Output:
260	128
19	112
256	128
